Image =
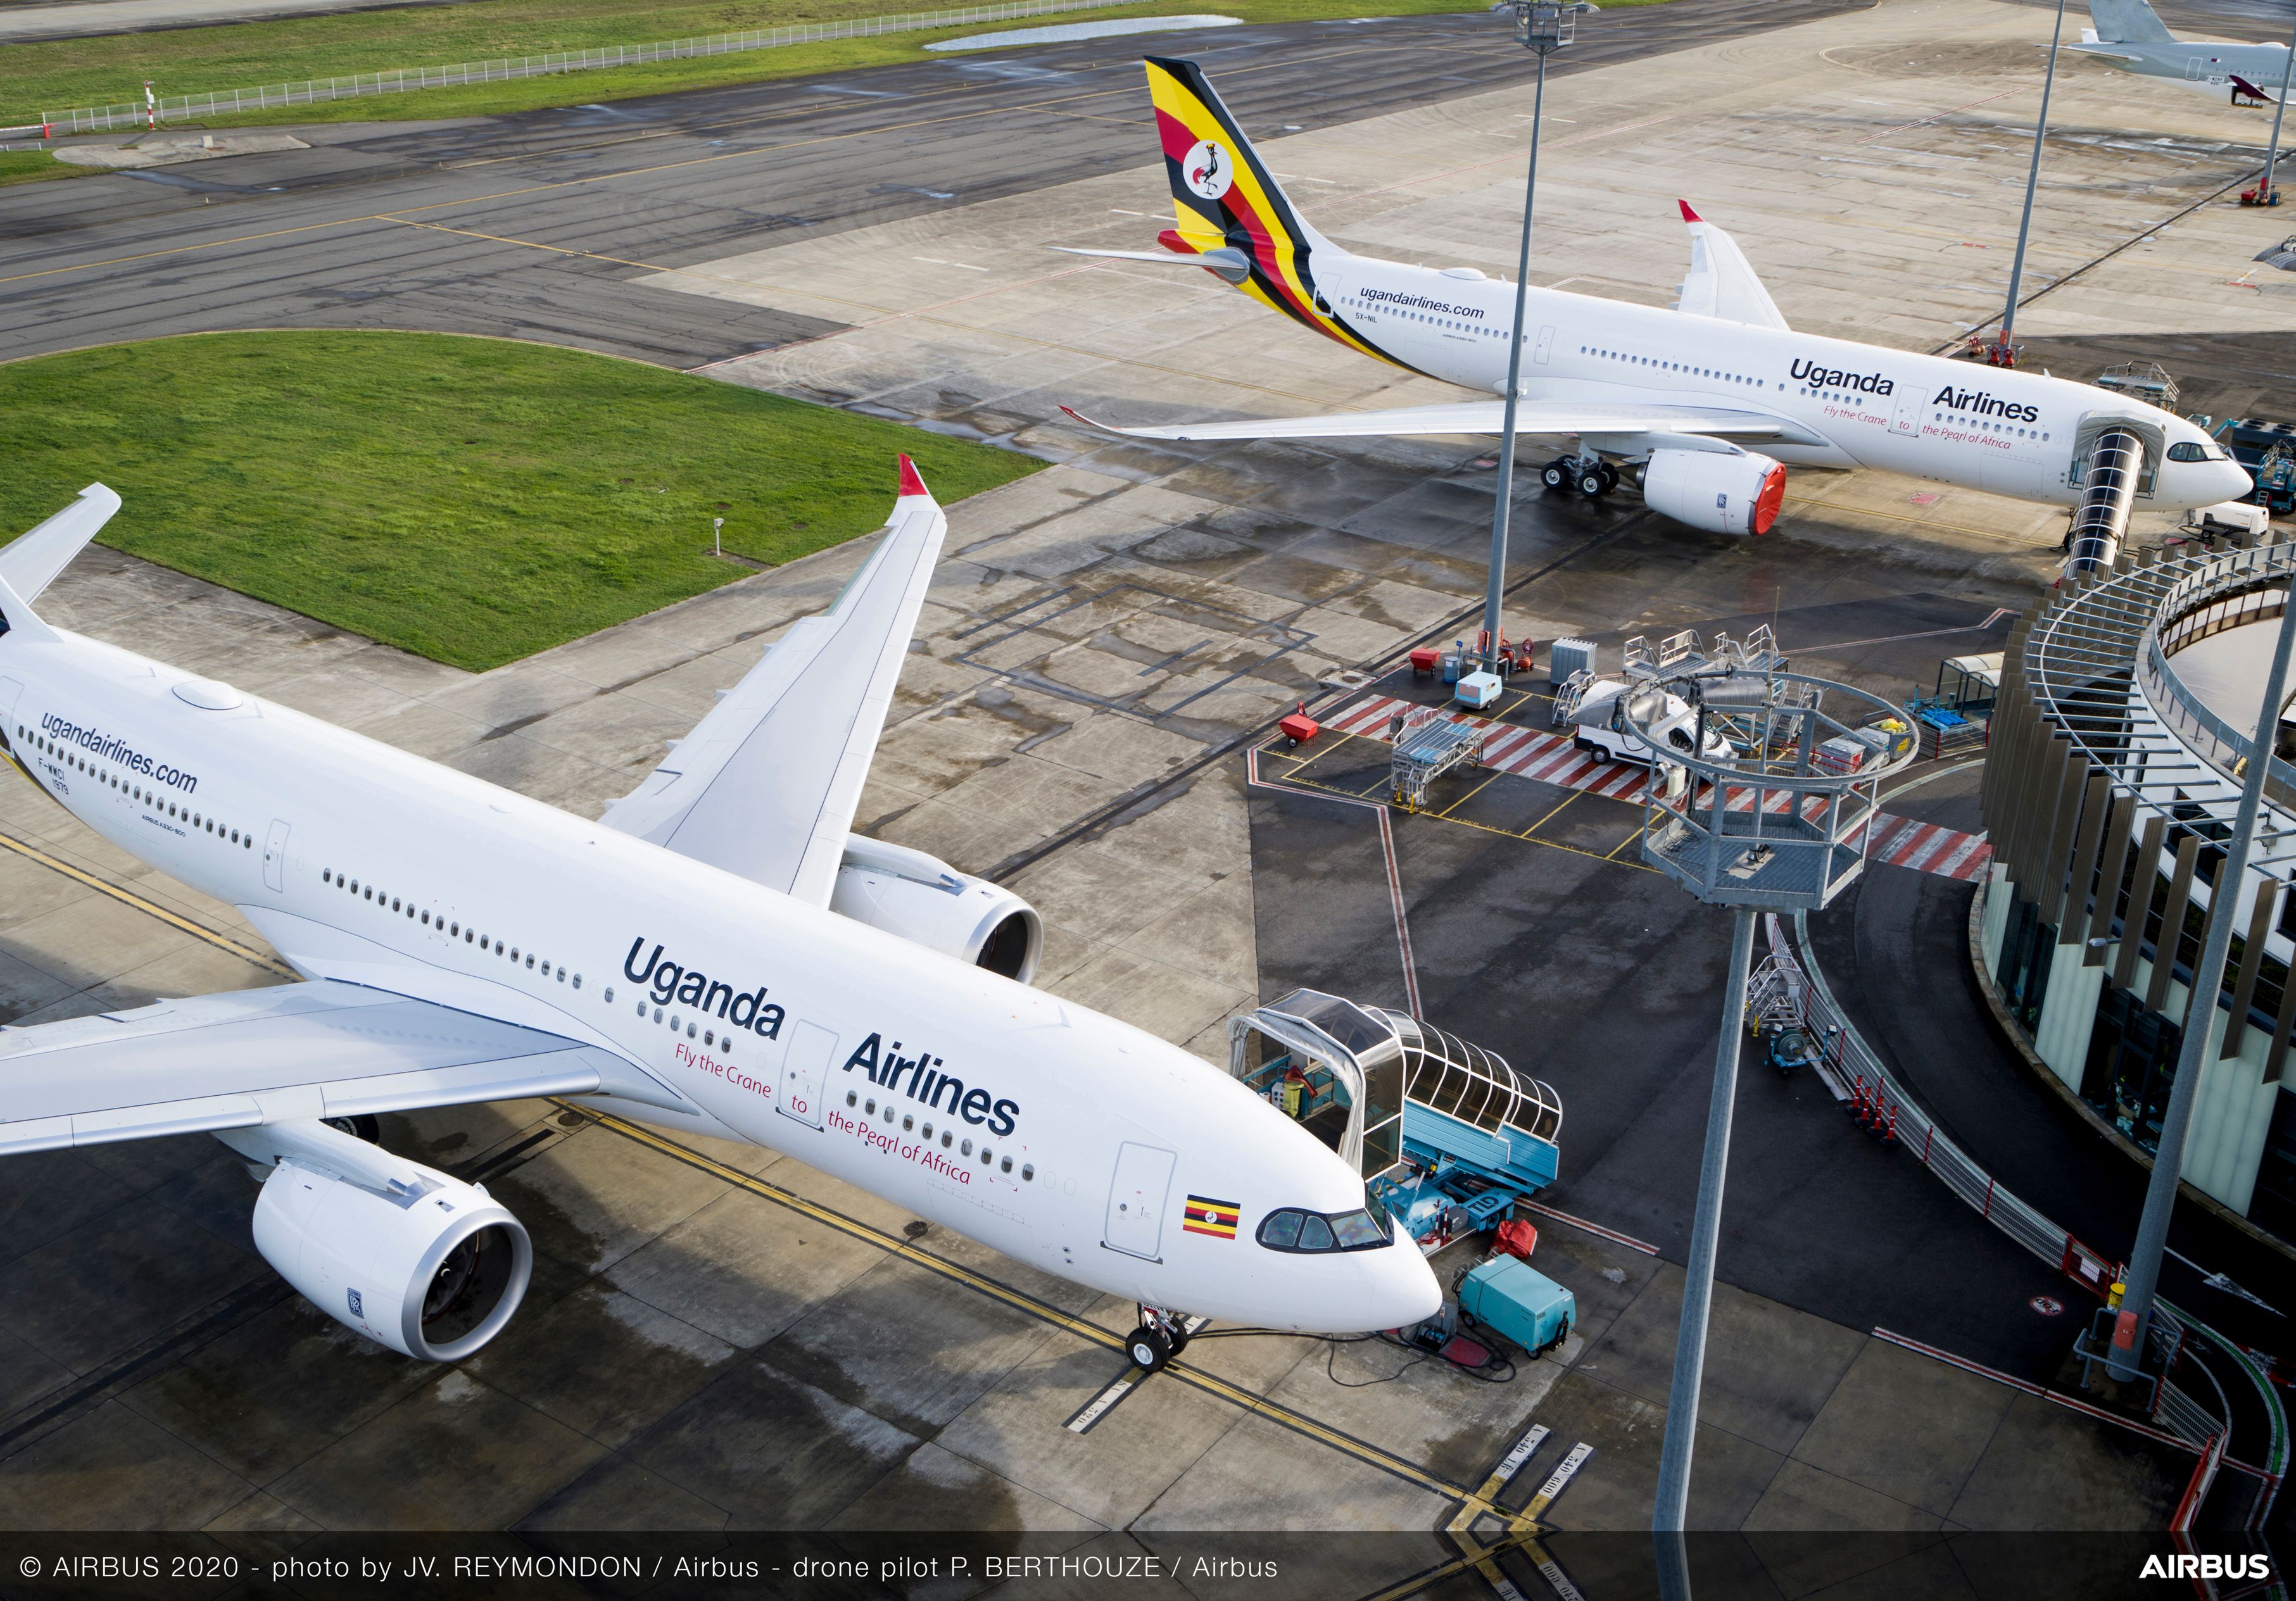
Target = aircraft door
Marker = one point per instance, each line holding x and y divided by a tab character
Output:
274	856
1546	344
1135	1200
2196	68
1907	418
805	1073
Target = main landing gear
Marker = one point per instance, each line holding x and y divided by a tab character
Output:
1592	477
1161	1337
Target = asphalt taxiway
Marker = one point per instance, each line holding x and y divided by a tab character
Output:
529	226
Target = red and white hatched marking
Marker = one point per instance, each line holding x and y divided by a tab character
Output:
1551	759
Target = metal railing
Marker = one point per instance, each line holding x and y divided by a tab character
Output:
2256	576
1918	1134
2170	1328
179	108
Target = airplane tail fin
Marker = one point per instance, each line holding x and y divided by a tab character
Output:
1223	196
2129	22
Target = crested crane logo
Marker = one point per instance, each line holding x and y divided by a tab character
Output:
673	985
1208	170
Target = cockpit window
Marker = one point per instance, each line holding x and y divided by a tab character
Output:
1290	1229
2188	451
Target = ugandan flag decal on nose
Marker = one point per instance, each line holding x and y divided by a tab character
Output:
1217	1218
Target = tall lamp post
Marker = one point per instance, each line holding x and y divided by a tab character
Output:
1799	844
2265	194
1541	27
2005	352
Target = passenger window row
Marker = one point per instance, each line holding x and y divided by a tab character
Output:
948	1138
384	901
694	1030
136	792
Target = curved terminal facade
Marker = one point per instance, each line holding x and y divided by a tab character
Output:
2109	796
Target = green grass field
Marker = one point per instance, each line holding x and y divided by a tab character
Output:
35	166
59	75
469	499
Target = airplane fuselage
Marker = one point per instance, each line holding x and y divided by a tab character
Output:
2196	63
1065	1139
1846	404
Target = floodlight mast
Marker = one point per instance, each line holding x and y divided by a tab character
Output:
2008	351
1541	27
1764	802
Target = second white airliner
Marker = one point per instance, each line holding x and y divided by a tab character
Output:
1706	403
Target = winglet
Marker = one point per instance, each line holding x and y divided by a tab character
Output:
1097	427
1688	215
911	484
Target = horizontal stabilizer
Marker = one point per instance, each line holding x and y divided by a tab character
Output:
1473	417
1233	265
30	562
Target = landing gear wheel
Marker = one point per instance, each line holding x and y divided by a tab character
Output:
1556	474
358	1125
1149	1347
1592	484
1179	1339
1610	477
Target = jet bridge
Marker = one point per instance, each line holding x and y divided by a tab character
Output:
1437	1126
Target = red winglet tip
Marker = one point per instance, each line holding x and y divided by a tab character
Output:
910	483
1689	215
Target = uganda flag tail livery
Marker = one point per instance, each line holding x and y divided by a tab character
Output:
1230	210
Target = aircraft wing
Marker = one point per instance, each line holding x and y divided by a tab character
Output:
765	785
1721	281
30	561
318	1049
1477	417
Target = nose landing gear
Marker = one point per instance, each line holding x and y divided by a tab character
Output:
1162	1336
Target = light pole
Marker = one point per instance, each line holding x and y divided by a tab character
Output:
2007	351
1757	825
1542	27
2125	1354
717	537
2279	110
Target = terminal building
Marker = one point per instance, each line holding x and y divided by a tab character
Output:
2127	705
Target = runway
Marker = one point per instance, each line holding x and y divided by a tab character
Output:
527	226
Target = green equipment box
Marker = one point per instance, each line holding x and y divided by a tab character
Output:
1514	1300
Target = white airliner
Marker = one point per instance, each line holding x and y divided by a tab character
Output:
717	955
1680	394
2130	36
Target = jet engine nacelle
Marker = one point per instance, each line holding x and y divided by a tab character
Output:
423	1263
1733	493
928	902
